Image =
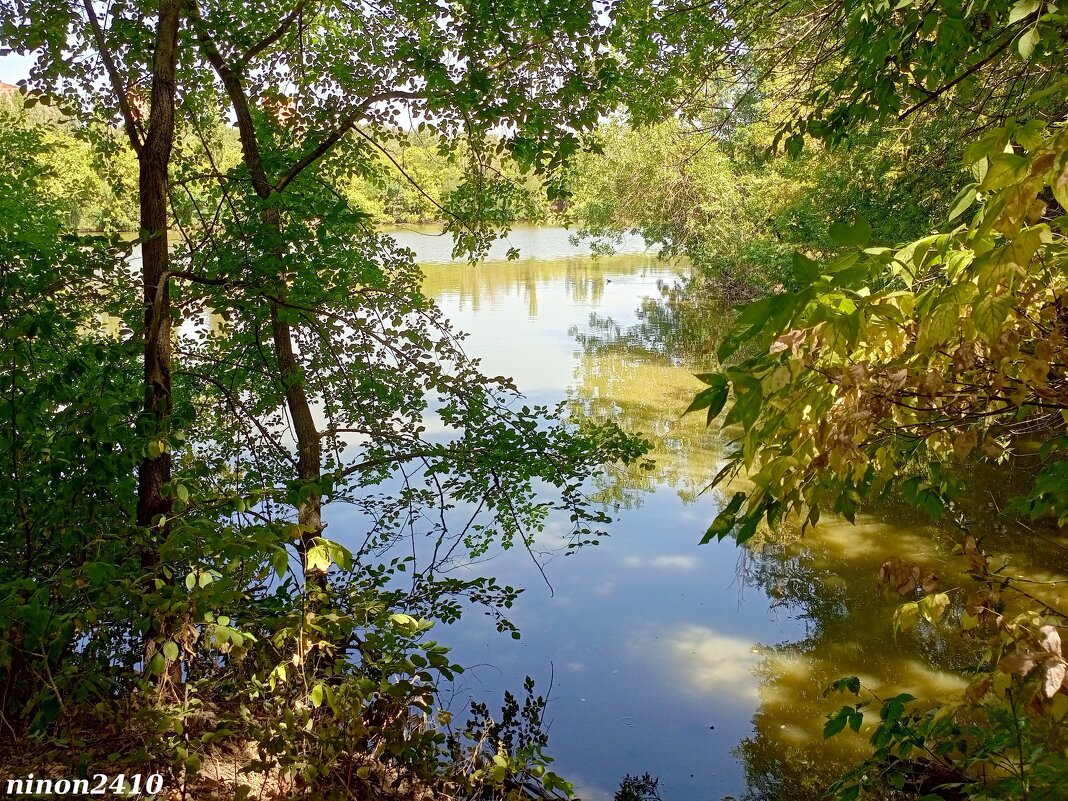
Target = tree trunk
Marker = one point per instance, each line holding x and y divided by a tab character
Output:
154	162
309	444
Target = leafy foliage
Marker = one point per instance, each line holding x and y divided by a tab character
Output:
884	373
176	439
922	355
69	410
737	214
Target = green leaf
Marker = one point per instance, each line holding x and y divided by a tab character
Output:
712	379
735	339
856	235
716	406
836	722
963	201
1005	169
1022	9
748	529
805	269
987	145
850	683
1027	41
725	520
280	561
856	720
748	399
170	650
341	555
714	398
709	397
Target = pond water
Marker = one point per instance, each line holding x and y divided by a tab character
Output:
701	665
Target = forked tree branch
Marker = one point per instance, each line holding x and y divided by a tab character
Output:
231	80
347	124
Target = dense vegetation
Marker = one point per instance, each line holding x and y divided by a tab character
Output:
411	181
912	333
184	414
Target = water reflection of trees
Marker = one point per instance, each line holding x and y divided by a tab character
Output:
797	585
486	283
828	579
640	375
674	326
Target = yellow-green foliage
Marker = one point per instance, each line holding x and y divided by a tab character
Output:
893	369
418	180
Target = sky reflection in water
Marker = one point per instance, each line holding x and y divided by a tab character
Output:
695	663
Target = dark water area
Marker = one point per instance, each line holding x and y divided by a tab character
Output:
701	665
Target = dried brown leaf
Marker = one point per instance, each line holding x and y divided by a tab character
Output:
1056	670
1051	640
1020	663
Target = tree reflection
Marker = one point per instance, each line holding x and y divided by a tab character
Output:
674	326
640	375
828	579
486	283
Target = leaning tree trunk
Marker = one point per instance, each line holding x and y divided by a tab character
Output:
309	439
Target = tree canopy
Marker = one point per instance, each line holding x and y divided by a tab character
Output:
290	363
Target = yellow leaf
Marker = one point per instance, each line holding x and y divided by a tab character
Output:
965	443
1058	707
906	616
937	327
1002	682
318	559
1060	188
989	314
933	607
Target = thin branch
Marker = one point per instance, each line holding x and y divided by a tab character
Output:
970	71
271	38
236	92
128	119
347	124
410	180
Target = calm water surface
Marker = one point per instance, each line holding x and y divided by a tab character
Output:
702	665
